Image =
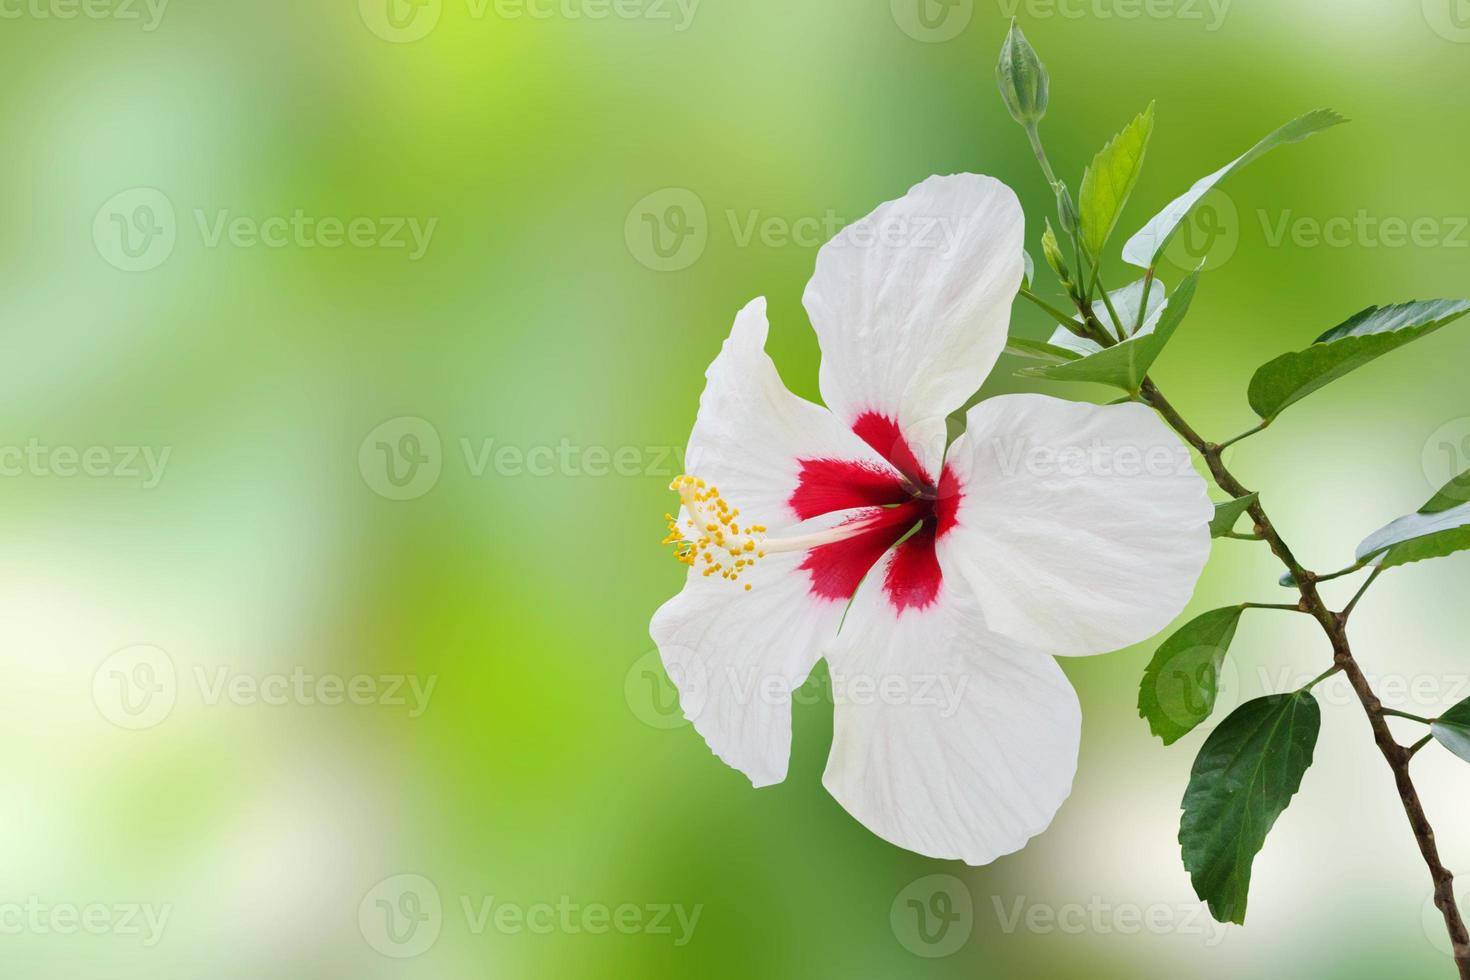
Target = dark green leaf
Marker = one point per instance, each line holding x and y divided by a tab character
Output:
1143	248
1439	528
1246	774
1181	682
1110	180
1229	513
1452	730
1341	350
1127	364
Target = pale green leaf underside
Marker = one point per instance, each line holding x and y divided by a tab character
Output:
1038	350
1228	514
1440	528
1127	364
1366	337
1182	681
1243	779
1126	300
1110	180
1143	248
1452	730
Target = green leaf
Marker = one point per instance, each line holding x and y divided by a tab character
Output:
1110	180
1039	350
1126	301
1181	682
1229	513
1143	248
1369	335
1438	529
1452	730
1244	777
1126	364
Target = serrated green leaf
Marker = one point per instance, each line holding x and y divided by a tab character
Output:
1229	513
1110	180
1143	248
1452	730
1438	529
1367	336
1126	364
1244	777
1182	681
1039	350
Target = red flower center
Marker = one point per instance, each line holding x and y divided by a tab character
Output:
907	506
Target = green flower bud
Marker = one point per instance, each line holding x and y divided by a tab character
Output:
1053	251
1024	84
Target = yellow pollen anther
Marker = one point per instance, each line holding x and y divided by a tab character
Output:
717	532
704	508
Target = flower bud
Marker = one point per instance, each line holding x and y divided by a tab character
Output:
1052	249
1024	84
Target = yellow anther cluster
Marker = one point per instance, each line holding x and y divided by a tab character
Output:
712	539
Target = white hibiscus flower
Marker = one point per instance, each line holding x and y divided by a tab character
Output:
938	583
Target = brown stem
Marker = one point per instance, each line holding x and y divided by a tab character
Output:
1335	626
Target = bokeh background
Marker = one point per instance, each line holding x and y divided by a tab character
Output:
329	552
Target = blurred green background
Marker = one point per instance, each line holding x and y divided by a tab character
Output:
381	610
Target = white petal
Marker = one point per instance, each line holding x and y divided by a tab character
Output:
751	431
1083	528
737	656
911	304
947	740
